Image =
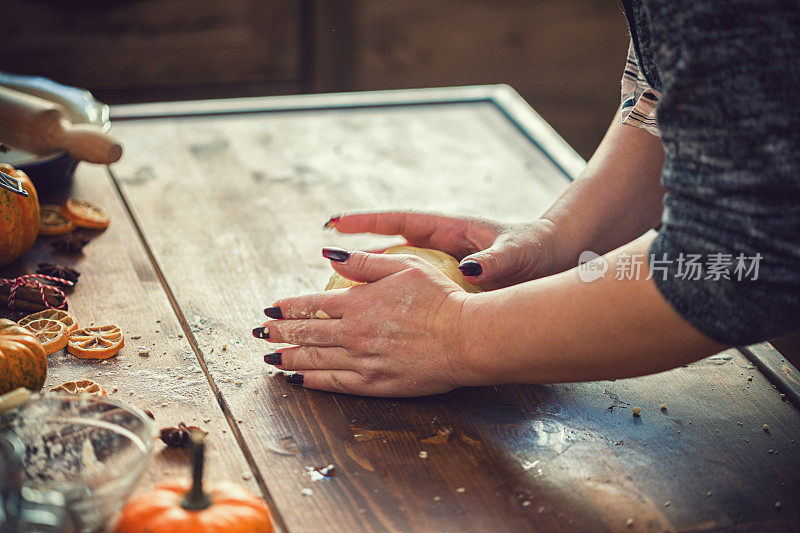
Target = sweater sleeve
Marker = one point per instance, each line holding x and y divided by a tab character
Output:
730	123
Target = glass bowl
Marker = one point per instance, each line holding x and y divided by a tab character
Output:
90	449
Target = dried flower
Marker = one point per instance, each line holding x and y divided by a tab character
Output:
58	271
179	437
71	243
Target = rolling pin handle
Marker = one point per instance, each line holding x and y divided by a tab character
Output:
86	142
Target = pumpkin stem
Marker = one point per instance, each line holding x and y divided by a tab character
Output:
196	499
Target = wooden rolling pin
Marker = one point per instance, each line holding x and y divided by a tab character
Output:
39	126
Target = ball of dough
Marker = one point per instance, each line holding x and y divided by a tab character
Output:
441	260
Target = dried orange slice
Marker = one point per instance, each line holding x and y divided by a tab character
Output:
51	314
96	342
81	386
52	334
85	214
53	222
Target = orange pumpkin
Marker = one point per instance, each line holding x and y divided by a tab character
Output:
19	218
175	506
22	359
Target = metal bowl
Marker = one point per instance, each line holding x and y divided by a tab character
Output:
89	449
53	171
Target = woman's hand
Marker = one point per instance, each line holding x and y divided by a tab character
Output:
397	335
492	255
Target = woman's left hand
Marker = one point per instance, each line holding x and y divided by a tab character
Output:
398	334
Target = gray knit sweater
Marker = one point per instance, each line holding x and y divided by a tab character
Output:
729	118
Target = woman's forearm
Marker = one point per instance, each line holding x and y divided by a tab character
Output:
615	199
560	328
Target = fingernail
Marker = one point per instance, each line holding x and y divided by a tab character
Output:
261	332
294	379
470	268
331	223
273	312
336	254
273	358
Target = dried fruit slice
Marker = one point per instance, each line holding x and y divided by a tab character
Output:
96	342
85	214
81	386
52	314
52	334
53	222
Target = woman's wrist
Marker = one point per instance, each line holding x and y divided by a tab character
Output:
476	352
553	249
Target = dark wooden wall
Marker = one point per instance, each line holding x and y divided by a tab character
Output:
565	58
146	50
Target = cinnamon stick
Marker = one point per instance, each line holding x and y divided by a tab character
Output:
29	298
25	307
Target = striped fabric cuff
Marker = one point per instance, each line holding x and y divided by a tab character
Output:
638	98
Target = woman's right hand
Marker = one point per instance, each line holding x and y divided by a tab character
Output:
491	255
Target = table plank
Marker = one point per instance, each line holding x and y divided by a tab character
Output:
232	205
118	285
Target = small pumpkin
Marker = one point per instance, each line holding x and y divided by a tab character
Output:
174	506
22	359
19	218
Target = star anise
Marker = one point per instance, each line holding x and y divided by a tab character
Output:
58	271
71	243
179	437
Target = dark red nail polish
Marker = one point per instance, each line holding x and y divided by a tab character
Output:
273	358
273	312
331	223
261	333
294	379
470	268
336	254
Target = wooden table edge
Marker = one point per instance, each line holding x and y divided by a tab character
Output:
776	368
503	97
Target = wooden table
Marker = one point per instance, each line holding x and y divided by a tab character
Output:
217	209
